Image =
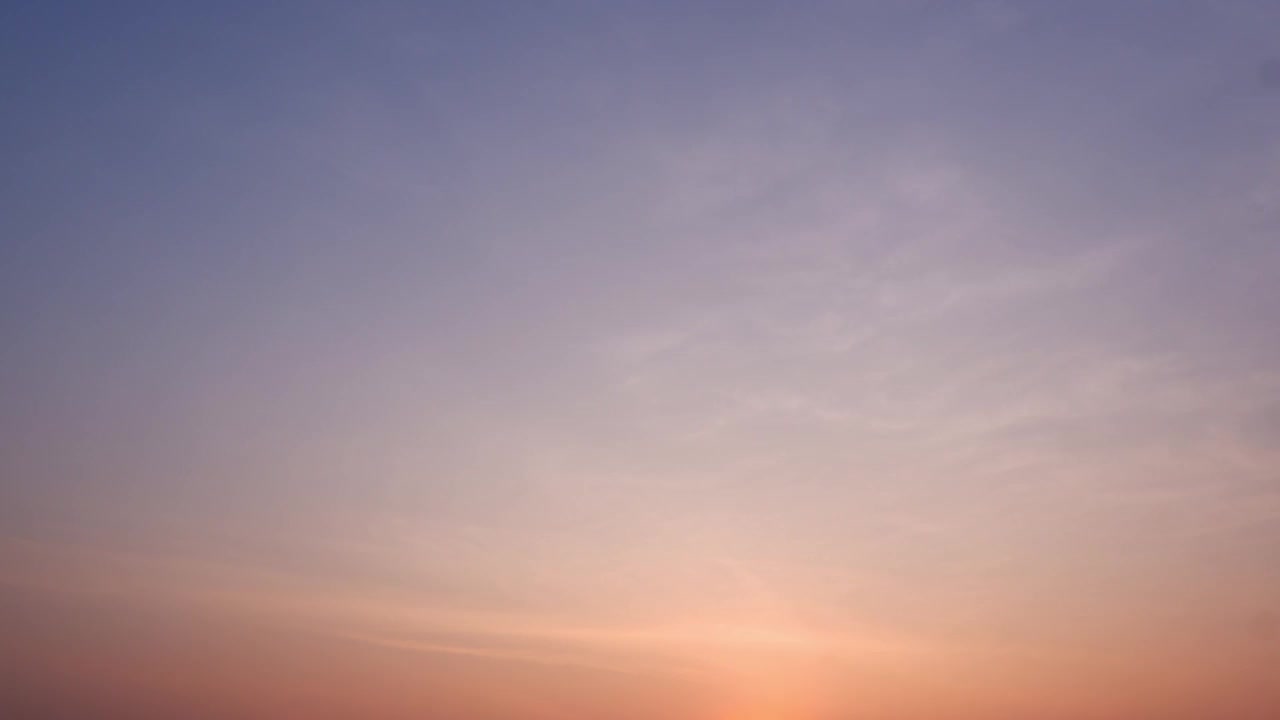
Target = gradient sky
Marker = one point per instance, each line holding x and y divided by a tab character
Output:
632	360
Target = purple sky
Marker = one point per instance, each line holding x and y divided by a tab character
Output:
706	361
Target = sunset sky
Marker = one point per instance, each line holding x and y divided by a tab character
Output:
640	360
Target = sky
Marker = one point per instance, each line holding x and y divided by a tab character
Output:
628	360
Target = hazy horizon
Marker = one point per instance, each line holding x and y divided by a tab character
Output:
684	360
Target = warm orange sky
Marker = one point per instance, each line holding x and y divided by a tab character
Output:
694	361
